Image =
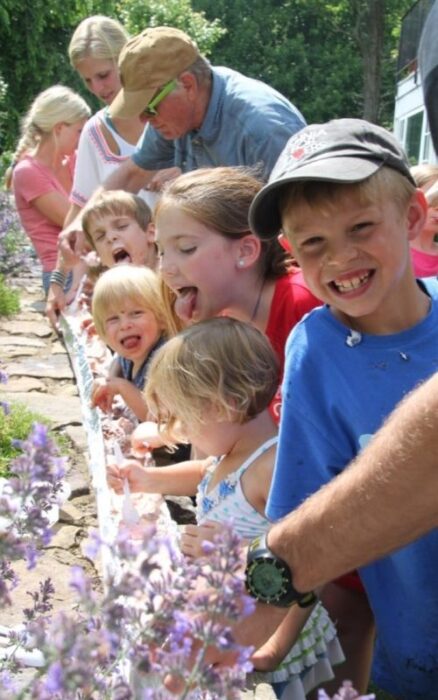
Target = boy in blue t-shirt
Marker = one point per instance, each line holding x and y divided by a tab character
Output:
343	195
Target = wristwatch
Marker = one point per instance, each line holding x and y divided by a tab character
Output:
269	579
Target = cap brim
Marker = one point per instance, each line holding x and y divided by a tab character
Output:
264	213
127	104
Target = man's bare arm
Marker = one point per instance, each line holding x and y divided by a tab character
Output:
128	176
384	500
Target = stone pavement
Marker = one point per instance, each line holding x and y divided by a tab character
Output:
40	378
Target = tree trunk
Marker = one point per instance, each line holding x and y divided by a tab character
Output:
370	18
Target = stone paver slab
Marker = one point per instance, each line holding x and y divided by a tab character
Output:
69	514
53	366
38	328
21	341
22	385
9	353
65	390
65	537
57	348
78	437
39	306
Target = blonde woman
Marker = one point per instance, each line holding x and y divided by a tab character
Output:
105	143
42	174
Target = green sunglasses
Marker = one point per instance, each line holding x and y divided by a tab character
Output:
151	109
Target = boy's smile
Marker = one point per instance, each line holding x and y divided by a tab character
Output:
349	285
356	259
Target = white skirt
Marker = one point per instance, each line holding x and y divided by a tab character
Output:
310	661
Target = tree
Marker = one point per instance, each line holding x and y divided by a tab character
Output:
375	29
136	15
34	38
329	58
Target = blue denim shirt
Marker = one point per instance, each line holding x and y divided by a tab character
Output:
246	123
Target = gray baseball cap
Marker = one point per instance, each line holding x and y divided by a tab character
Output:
342	150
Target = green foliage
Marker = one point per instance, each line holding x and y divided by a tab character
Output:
3	113
9	299
34	38
5	162
311	51
136	15
307	49
15	425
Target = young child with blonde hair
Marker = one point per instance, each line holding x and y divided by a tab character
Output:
131	319
43	164
118	226
424	248
212	384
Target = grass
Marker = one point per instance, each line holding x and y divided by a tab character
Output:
9	299
16	425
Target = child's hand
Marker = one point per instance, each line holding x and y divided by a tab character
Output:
54	305
194	535
102	394
131	470
145	438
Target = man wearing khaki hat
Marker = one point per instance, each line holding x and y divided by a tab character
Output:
197	115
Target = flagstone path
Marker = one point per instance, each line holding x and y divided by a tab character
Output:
40	378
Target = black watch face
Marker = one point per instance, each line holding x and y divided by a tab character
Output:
267	580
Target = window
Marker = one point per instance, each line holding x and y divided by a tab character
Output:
413	131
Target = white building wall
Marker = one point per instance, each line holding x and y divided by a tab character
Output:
410	121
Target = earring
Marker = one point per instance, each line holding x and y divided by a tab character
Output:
240	263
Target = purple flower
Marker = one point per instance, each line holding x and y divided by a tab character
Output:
346	692
6	407
150	613
54	681
26	498
207	547
93	544
42	600
13	253
78	581
7	685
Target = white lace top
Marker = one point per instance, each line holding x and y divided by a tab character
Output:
95	161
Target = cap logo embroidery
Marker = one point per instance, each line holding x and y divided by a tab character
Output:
299	147
298	153
304	144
